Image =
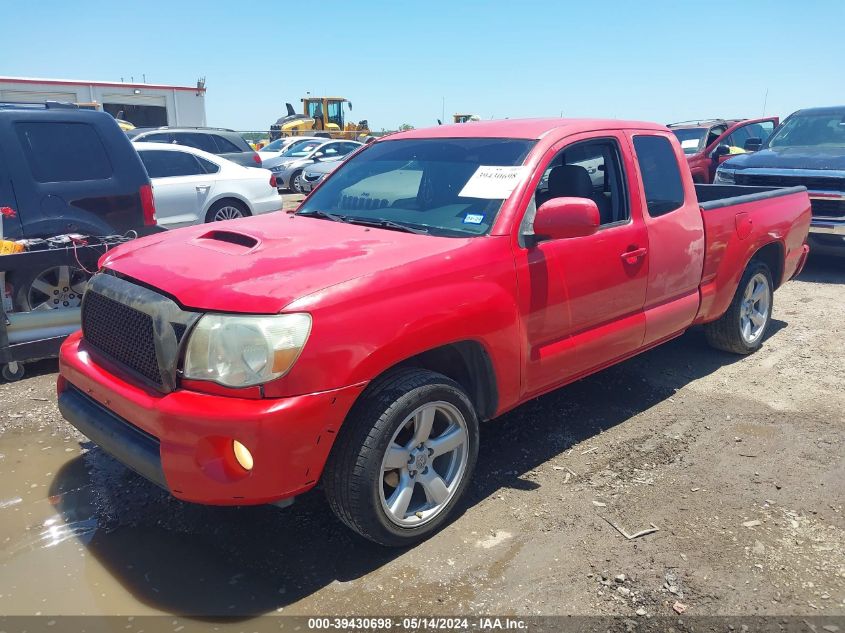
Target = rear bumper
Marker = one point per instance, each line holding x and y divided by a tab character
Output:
183	440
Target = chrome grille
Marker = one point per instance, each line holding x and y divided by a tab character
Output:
827	208
811	182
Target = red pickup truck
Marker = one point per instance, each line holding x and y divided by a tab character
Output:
437	278
708	144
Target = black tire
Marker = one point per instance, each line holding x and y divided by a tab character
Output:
222	204
26	297
353	475
12	376
293	184
726	332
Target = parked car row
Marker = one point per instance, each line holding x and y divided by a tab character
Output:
289	165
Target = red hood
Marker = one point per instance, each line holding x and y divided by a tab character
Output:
260	264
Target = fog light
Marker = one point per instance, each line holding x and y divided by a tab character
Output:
242	454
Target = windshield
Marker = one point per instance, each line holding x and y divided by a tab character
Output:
448	187
301	148
811	130
275	146
691	138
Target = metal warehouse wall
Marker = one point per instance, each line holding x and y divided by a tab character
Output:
182	105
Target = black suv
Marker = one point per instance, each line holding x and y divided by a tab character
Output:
220	141
66	170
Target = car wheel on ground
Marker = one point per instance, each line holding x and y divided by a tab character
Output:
296	181
226	210
403	458
56	287
742	328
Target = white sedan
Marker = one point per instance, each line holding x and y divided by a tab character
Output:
191	186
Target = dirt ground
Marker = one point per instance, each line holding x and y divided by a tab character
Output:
737	461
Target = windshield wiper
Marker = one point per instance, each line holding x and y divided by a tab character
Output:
324	214
383	224
387	224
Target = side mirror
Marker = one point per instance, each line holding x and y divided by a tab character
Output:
752	144
317	155
563	218
721	150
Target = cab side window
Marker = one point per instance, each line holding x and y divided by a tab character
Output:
592	169
664	190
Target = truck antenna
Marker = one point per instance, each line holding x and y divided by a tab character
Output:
765	100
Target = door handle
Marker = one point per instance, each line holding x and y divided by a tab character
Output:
202	188
633	256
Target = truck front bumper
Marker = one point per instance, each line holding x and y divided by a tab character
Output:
183	440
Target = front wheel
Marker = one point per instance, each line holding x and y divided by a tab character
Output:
403	458
296	182
742	328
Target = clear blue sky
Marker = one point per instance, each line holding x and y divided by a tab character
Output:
657	61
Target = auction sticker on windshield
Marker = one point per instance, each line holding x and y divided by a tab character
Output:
493	182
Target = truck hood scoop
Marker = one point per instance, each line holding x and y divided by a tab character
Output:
226	241
262	263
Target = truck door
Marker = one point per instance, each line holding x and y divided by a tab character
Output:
583	297
675	234
757	130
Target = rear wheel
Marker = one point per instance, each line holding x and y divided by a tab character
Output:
51	288
403	458
742	328
226	210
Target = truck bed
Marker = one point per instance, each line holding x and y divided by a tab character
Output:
740	221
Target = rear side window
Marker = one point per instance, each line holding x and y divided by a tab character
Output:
225	146
210	168
164	164
664	191
197	140
156	138
62	152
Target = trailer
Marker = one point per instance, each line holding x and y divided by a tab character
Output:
26	337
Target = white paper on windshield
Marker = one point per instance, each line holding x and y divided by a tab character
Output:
493	182
690	142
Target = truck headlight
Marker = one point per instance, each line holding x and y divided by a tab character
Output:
241	351
725	176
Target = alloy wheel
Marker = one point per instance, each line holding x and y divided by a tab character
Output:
754	309
424	464
58	287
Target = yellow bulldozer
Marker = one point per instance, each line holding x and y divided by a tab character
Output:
321	116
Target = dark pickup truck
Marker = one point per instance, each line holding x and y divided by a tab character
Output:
808	150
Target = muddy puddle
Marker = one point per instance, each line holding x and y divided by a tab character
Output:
82	535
